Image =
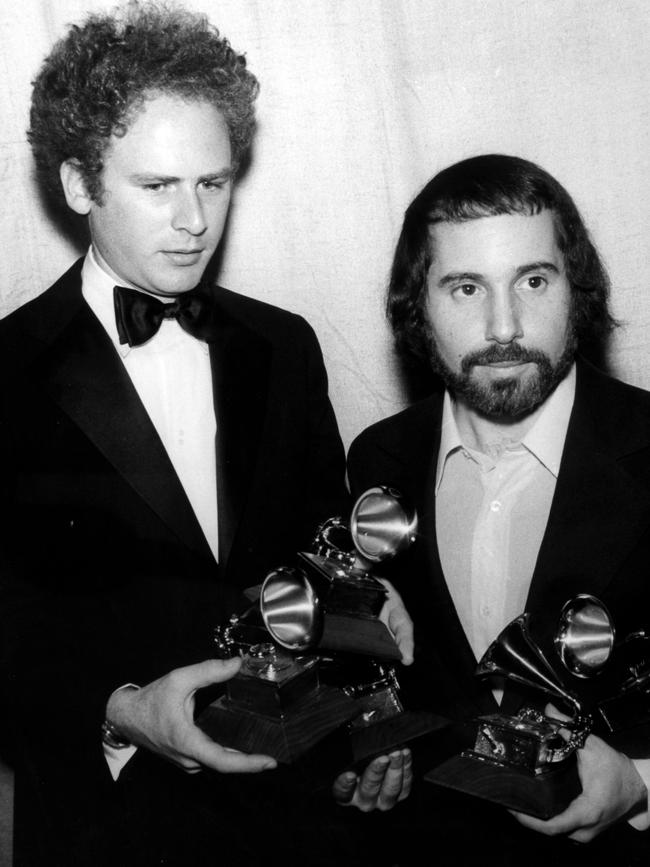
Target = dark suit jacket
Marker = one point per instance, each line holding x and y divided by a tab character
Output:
106	575
597	539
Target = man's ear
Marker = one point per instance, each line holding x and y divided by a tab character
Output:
74	187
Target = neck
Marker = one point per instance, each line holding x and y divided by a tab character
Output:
477	430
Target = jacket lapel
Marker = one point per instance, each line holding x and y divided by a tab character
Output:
241	361
82	373
417	453
599	510
598	513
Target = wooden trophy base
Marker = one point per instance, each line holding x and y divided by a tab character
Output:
393	733
543	795
348	634
284	738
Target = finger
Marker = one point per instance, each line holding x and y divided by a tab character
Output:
403	633
371	781
391	787
201	674
551	711
212	671
407	781
212	755
344	786
572	819
396	617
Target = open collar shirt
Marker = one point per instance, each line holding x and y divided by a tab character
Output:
491	514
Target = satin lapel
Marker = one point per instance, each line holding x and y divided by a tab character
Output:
84	376
241	361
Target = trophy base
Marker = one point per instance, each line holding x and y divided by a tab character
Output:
343	633
285	739
542	795
400	730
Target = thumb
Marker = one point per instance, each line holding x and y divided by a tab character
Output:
551	711
343	787
210	671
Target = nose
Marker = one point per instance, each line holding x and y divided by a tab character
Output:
504	320
189	213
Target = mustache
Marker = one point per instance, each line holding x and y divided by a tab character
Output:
496	353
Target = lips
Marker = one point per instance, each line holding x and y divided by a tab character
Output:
184	257
513	363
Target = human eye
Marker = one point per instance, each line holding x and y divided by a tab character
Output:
536	282
465	290
213	184
154	186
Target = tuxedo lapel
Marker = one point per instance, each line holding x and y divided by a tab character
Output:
240	361
81	372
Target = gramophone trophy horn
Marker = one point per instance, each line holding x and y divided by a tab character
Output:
331	600
515	656
291	609
523	761
381	525
585	636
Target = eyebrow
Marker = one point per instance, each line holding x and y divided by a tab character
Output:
149	177
473	276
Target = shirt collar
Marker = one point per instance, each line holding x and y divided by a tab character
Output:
545	440
546	437
97	290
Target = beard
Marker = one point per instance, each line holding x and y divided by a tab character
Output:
505	397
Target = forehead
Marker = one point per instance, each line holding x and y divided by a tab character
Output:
167	132
496	243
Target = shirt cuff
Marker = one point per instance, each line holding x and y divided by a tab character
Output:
641	820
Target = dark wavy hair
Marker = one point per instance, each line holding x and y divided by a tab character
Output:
97	76
484	186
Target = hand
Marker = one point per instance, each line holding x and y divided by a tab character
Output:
611	788
397	619
160	717
384	782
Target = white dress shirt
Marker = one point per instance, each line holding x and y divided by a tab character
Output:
172	376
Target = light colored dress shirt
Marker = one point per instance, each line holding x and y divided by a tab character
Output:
491	514
172	376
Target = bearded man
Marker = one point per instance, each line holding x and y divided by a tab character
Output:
530	469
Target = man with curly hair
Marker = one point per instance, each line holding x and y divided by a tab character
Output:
127	534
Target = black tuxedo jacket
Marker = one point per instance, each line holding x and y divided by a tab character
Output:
597	538
106	575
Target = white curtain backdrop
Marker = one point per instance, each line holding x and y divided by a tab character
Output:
362	101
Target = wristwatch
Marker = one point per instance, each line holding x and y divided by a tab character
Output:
112	738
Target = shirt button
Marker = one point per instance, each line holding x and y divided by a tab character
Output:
495	506
485	611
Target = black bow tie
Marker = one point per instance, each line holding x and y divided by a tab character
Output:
138	315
